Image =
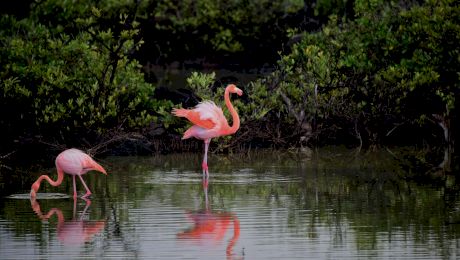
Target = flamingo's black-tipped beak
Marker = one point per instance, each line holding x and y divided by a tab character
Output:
239	92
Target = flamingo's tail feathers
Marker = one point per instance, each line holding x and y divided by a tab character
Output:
188	134
99	168
180	112
91	164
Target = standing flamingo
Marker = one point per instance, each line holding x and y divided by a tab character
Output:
73	162
209	121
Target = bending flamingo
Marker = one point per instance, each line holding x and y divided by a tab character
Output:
73	162
209	121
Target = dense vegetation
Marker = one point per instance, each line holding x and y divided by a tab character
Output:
361	73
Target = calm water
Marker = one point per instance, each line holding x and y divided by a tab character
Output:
331	205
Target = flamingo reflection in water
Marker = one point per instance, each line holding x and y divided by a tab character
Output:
76	231
212	226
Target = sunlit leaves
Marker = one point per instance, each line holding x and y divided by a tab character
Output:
201	83
11	88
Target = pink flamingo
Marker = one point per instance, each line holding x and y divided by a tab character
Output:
209	121
73	162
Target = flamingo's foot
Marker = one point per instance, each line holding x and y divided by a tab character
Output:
205	174
204	166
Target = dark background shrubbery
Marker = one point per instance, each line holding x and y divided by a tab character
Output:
361	73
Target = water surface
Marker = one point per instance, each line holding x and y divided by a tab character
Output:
327	205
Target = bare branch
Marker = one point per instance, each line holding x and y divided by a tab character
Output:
298	116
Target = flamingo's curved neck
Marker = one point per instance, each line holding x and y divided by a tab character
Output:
59	180
235	117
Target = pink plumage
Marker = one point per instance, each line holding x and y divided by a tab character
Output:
209	121
73	162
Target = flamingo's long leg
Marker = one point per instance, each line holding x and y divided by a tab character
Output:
74	187
88	192
74	204
205	157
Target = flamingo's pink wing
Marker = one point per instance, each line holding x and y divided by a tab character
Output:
209	111
205	114
194	117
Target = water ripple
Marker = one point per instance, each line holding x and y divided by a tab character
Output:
242	176
41	196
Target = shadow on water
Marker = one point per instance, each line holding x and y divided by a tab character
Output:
332	203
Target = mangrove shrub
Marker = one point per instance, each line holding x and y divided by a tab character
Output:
72	88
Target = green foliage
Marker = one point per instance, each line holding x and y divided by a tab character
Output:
221	24
60	85
71	68
201	83
220	30
188	30
391	65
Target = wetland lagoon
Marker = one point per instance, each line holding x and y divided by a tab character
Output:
331	204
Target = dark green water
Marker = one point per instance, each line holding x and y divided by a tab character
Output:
329	205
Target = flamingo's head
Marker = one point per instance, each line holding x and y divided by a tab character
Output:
34	189
33	194
233	89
